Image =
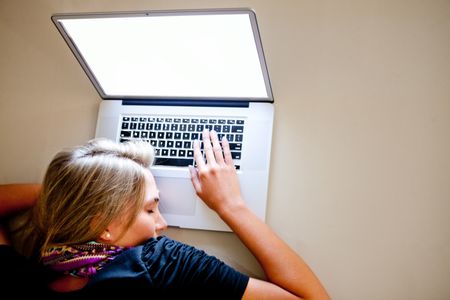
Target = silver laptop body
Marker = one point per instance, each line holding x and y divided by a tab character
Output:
164	76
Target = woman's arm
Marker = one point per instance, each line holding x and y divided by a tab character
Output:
216	182
14	198
17	197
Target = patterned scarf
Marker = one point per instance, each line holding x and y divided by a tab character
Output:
83	260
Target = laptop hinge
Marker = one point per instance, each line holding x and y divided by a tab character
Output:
178	102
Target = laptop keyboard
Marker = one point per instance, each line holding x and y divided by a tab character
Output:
172	137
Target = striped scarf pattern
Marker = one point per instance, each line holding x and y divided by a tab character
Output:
82	260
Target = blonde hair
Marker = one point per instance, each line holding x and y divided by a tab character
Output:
85	188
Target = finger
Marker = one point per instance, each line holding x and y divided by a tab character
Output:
198	157
217	149
195	180
207	147
227	152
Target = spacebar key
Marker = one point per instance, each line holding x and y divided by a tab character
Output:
178	162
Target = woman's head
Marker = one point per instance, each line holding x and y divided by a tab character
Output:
89	190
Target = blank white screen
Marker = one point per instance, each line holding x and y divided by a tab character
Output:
171	56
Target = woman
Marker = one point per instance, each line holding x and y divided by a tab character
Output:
97	226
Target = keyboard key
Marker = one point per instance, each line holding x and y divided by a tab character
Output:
237	129
236	146
125	133
178	162
236	155
239	137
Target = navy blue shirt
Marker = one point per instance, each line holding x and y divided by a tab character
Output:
163	269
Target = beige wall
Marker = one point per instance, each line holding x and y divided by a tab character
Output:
360	173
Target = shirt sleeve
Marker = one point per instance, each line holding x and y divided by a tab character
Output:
176	266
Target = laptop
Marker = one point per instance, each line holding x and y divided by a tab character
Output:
163	77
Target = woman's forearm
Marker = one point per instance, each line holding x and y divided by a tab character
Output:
17	197
280	263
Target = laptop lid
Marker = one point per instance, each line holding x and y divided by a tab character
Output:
182	54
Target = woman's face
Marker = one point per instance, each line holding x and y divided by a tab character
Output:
148	223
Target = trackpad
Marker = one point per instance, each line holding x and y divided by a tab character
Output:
177	196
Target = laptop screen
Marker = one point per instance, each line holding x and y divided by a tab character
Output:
190	54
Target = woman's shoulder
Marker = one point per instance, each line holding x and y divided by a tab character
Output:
155	248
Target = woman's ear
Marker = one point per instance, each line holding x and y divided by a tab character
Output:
106	236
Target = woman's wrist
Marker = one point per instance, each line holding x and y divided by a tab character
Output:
232	209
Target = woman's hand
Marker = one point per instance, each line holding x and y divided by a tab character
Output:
215	181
